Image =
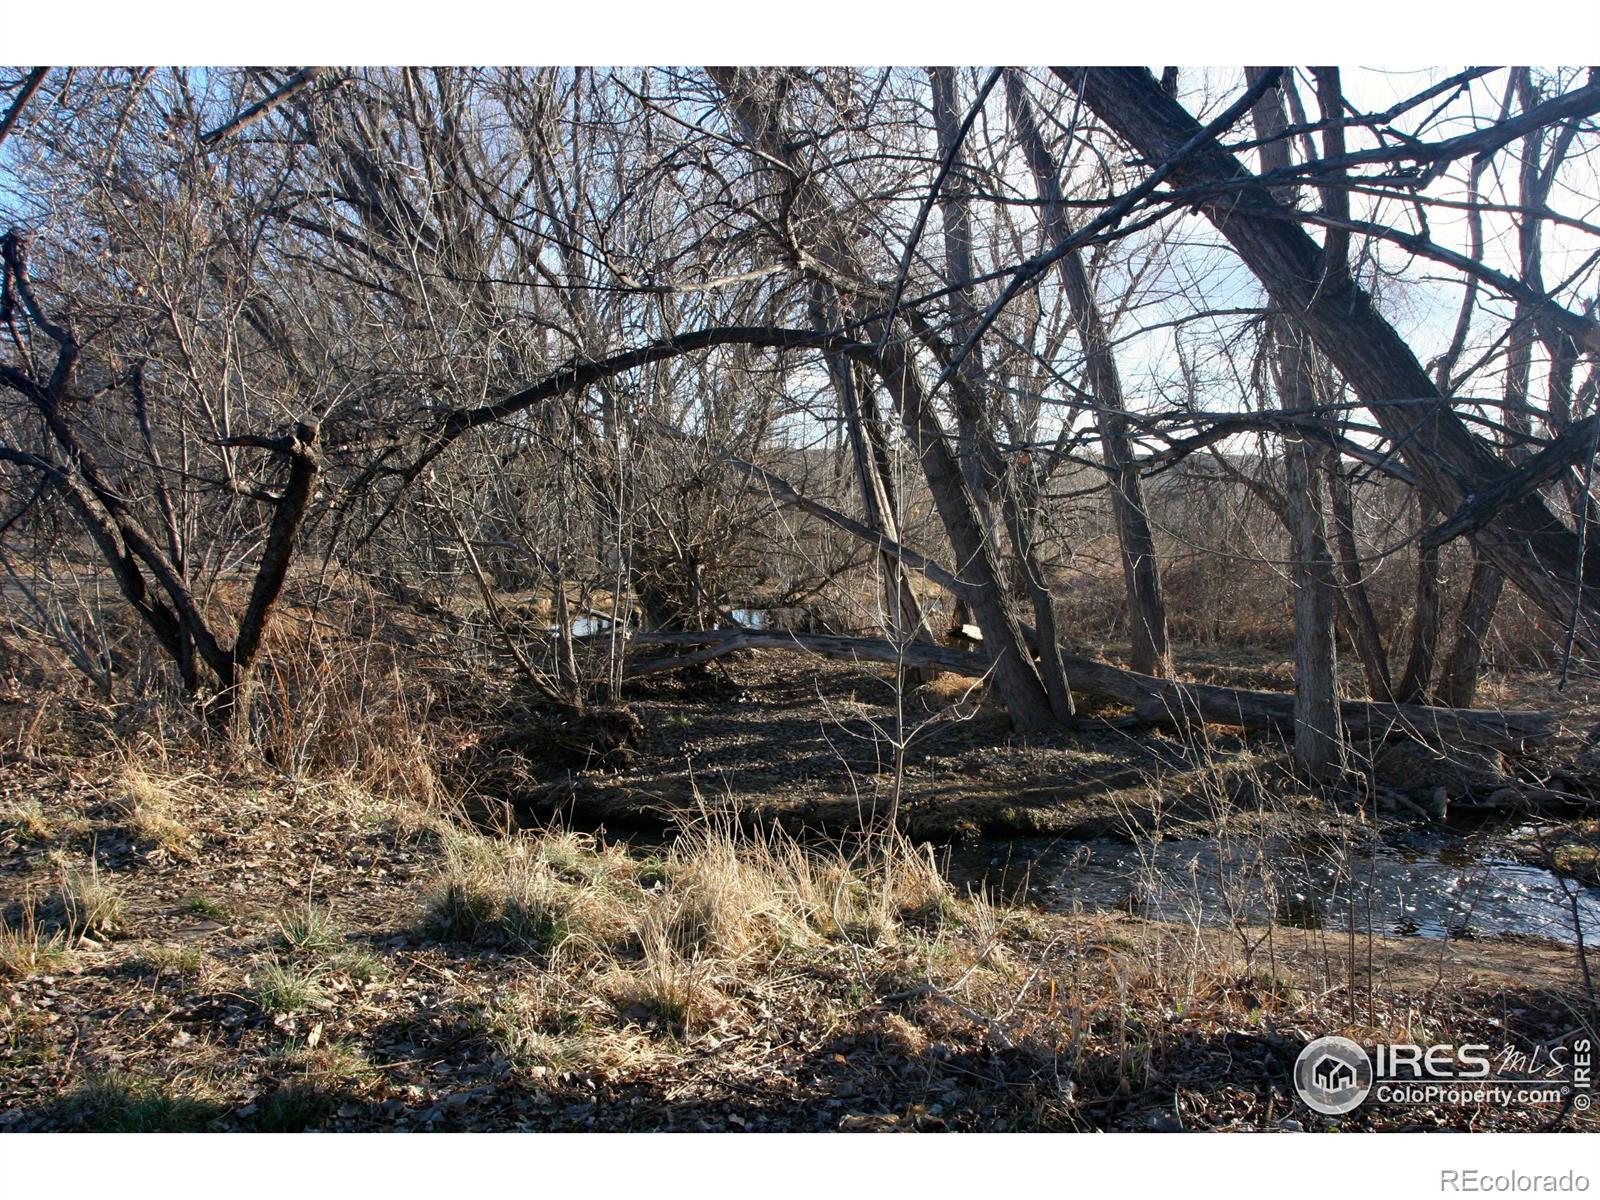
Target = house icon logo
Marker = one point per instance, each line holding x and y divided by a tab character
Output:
1333	1075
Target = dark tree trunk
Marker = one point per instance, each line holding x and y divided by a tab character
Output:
1459	685
1147	607
1318	744
1413	686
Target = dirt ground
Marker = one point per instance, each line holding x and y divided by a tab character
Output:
811	745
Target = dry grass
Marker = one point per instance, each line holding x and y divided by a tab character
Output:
161	960
559	894
286	988
84	904
28	948
27	824
544	1025
117	1102
148	804
310	928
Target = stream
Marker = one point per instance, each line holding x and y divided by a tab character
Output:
1437	883
1426	884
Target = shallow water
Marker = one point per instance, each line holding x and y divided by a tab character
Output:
1430	885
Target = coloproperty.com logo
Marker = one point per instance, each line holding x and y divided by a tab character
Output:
1335	1075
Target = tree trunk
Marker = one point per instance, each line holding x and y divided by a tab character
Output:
1483	592
1365	634
1317	742
1016	679
1414	680
1147	608
1318	745
1459	685
903	617
974	406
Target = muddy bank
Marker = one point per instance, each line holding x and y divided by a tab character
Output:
810	745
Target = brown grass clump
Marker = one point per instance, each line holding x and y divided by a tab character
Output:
730	895
147	805
28	948
551	1027
562	893
25	824
668	986
84	904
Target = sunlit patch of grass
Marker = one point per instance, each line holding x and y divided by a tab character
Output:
159	960
322	1076
83	904
285	988
27	948
543	894
26	1040
147	807
533	1036
667	988
359	966
328	1061
310	929
25	824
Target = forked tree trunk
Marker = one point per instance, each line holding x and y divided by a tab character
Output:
1017	680
974	404
1147	607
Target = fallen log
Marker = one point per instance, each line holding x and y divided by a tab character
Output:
1163	701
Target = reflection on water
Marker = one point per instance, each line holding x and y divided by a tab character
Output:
1428	885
